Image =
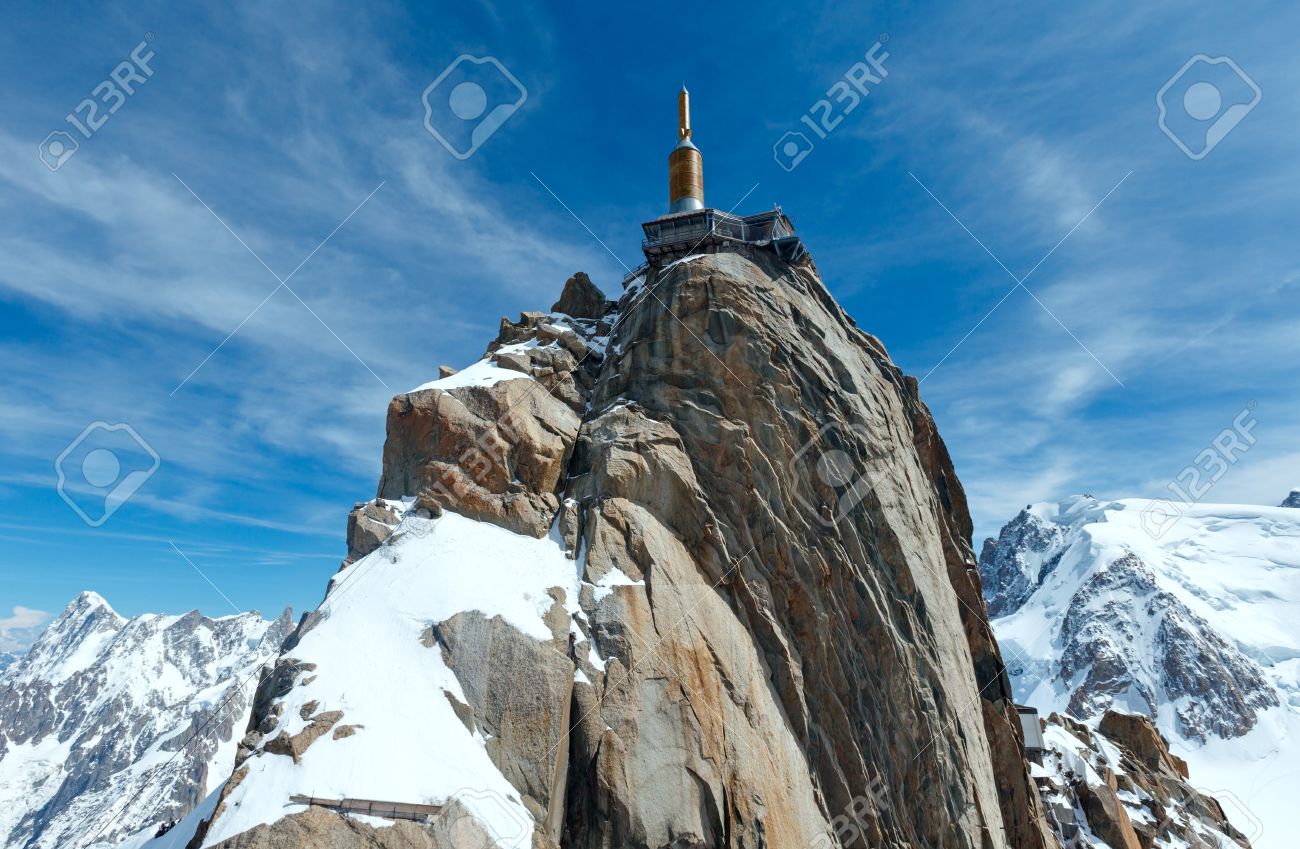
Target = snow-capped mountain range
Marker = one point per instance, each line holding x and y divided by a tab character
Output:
1191	617
110	726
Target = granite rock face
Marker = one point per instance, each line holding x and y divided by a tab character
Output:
772	632
582	299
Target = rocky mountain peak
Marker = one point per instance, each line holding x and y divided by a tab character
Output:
109	726
1189	620
1028	549
1172	657
691	569
1292	500
582	299
88	605
87	621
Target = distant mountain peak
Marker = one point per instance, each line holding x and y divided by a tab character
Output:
1188	617
88	603
90	598
1292	500
109	725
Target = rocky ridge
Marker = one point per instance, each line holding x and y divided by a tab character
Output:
692	569
92	714
1117	786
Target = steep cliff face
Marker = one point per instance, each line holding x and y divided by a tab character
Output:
688	570
109	726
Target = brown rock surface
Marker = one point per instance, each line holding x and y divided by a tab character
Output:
495	452
369	524
581	298
1107	817
294	745
704	470
1140	739
522	712
319	828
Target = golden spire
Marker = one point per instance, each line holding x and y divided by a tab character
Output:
684	113
685	164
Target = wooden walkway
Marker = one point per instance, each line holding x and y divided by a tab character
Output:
373	808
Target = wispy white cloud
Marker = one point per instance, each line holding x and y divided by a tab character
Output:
19	630
148	282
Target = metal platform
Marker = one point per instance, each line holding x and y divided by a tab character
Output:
706	230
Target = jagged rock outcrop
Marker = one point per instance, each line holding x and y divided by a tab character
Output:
692	570
110	726
1292	500
1013	565
369	524
582	299
1119	783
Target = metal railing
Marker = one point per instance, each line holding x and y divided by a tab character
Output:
715	224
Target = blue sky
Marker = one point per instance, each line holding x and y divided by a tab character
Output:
1167	309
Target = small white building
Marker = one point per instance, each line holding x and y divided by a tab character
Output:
1033	733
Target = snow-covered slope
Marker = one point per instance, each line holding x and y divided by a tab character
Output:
109	726
1195	623
7	659
429	570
